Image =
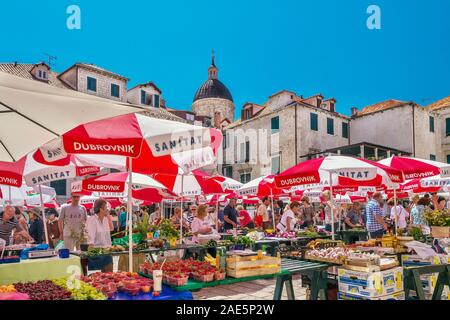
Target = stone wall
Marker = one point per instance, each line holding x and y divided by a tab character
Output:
103	84
208	106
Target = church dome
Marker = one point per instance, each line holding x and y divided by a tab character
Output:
213	88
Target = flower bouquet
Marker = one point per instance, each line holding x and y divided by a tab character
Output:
439	220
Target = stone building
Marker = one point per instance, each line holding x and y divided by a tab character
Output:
276	135
402	125
214	100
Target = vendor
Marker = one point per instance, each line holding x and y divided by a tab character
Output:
99	227
155	217
244	218
288	219
52	227
200	225
176	219
36	229
354	218
306	213
230	215
9	224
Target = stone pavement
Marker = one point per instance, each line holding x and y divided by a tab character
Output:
252	290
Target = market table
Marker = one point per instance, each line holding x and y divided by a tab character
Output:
315	271
412	279
39	269
351	236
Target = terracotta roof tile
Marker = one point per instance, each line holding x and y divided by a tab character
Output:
23	70
380	106
440	104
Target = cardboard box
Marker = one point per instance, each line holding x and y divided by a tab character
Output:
395	296
412	260
370	284
429	282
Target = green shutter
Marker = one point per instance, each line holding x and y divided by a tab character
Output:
275	124
314	121
344	129
431	124
447	127
330	126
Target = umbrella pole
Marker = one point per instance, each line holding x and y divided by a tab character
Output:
273	209
395	210
217	214
44	220
130	217
181	205
10	197
331	208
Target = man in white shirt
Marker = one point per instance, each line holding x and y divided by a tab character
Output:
402	215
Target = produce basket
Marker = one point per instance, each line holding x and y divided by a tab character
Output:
204	277
174	281
219	275
440	232
247	266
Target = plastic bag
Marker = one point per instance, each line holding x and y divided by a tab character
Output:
136	238
59	245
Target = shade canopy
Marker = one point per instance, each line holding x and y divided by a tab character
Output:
33	113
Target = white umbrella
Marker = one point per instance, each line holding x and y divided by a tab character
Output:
33	113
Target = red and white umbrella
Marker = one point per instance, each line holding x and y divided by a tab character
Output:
344	171
190	185
423	185
339	171
26	196
414	168
228	184
115	184
153	145
261	187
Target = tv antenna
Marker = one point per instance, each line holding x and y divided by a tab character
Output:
50	59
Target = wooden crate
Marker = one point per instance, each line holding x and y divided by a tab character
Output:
256	265
440	232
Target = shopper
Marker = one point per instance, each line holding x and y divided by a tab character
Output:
279	206
36	229
122	218
330	212
20	216
244	218
72	222
99	227
114	219
264	213
52	227
176	219
155	217
190	214
306	213
289	218
201	225
417	212
10	224
354	217
400	212
375	221
230	215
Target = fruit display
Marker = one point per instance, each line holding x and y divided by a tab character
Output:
333	254
307	234
111	282
8	288
243	240
43	290
182	270
80	290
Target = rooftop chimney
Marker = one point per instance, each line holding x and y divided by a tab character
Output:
354	111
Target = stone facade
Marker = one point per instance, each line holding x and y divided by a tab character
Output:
153	96
258	147
406	127
209	106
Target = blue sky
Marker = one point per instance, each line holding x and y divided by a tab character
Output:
262	46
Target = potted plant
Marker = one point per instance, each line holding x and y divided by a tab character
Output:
439	221
79	235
